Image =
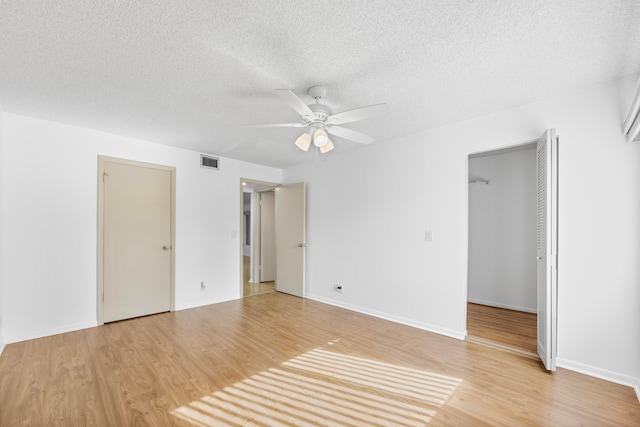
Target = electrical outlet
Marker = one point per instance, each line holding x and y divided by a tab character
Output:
203	286
337	288
428	236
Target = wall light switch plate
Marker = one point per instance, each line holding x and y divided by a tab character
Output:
428	236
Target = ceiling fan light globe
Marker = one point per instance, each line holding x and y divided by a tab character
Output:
304	141
327	147
320	138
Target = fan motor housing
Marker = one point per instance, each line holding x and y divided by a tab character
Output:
321	111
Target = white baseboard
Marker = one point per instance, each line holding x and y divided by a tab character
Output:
1	348
603	374
460	335
32	335
499	305
637	387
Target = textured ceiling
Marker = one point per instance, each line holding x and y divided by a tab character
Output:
190	73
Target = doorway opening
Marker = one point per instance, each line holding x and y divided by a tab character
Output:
501	286
258	238
288	234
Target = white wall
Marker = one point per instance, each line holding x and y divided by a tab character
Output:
1	233
49	221
368	210
502	231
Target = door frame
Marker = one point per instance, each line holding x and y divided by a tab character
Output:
255	226
466	202
100	225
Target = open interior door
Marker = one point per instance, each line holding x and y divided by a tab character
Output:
290	238
547	246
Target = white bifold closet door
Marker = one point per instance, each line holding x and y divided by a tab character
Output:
547	246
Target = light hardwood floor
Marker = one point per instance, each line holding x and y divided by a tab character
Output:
508	328
250	289
275	359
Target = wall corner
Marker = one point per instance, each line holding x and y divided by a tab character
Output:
1	226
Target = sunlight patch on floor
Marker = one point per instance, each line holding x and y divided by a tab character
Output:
322	387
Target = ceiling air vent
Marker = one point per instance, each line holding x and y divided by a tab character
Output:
209	162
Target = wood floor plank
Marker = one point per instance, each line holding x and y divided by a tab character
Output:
278	360
510	328
10	381
253	288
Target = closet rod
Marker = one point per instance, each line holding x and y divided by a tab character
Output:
473	178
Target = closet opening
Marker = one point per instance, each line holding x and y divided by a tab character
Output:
501	287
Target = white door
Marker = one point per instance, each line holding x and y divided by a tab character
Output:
290	238
136	241
547	246
267	237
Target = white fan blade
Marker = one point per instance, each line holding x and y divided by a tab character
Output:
350	134
359	114
278	125
295	102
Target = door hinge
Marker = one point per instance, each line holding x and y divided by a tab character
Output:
103	175
103	297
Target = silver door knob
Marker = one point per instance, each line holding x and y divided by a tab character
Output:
166	248
301	245
538	258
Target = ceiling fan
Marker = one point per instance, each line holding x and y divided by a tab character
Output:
320	121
